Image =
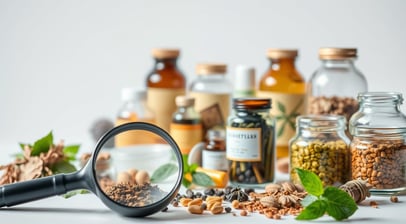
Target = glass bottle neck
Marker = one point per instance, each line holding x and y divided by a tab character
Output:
282	63
349	62
167	62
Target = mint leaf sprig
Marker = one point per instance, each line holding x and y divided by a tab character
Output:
319	201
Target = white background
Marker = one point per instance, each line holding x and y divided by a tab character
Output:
63	63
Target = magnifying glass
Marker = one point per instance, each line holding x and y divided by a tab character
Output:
145	149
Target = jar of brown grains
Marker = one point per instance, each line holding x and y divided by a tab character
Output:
321	146
378	147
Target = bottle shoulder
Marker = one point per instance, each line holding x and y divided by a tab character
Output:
218	84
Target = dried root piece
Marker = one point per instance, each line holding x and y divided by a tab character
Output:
357	189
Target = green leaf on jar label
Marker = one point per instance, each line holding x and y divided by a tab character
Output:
163	172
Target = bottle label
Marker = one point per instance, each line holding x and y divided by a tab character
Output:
212	107
285	109
215	160
162	102
244	144
128	138
186	135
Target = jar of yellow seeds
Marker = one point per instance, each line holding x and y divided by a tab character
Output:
321	146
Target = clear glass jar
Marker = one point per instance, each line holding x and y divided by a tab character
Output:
164	83
284	84
214	151
186	125
212	92
334	86
250	142
379	142
321	146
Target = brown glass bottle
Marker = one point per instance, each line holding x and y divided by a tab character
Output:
164	83
286	87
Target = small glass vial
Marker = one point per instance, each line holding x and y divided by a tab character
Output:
134	109
244	81
214	151
284	84
186	126
250	142
321	146
378	146
164	83
334	86
212	93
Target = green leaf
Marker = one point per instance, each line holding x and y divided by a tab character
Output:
193	167
22	145
42	145
281	129
340	205
313	211
70	151
308	200
163	172
185	164
75	192
202	179
63	167
281	107
310	181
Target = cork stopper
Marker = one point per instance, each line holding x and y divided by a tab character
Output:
165	53
212	68
337	53
184	101
277	53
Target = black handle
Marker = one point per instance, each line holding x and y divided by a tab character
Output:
17	193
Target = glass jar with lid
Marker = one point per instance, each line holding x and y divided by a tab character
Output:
334	86
212	92
321	146
250	141
378	146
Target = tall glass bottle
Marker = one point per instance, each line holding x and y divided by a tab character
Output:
286	87
164	83
134	109
244	81
212	93
333	88
186	126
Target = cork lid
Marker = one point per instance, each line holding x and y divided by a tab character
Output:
165	53
277	53
211	68
184	101
337	53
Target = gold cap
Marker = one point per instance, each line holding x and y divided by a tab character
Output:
208	69
165	53
337	53
184	101
277	53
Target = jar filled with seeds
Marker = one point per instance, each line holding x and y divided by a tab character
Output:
250	142
326	92
379	144
321	146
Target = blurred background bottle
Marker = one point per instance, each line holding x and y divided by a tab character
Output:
214	151
244	81
186	126
134	109
164	83
283	83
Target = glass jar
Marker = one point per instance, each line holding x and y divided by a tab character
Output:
379	142
186	126
212	93
283	83
164	83
244	81
214	151
334	86
321	146
250	142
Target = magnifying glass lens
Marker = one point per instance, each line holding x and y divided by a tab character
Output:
141	169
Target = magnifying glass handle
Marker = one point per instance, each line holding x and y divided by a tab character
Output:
26	191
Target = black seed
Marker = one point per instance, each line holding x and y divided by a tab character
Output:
228	209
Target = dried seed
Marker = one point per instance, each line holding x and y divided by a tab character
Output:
195	209
394	199
185	201
243	213
217	210
197	201
235	204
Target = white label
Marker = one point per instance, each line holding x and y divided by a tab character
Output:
215	160
244	144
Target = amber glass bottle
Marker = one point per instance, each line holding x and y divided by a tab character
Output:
164	83
286	87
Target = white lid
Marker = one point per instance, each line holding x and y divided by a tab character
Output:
130	93
244	77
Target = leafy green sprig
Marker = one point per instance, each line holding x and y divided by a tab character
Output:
319	201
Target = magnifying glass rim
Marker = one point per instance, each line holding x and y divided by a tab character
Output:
146	127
